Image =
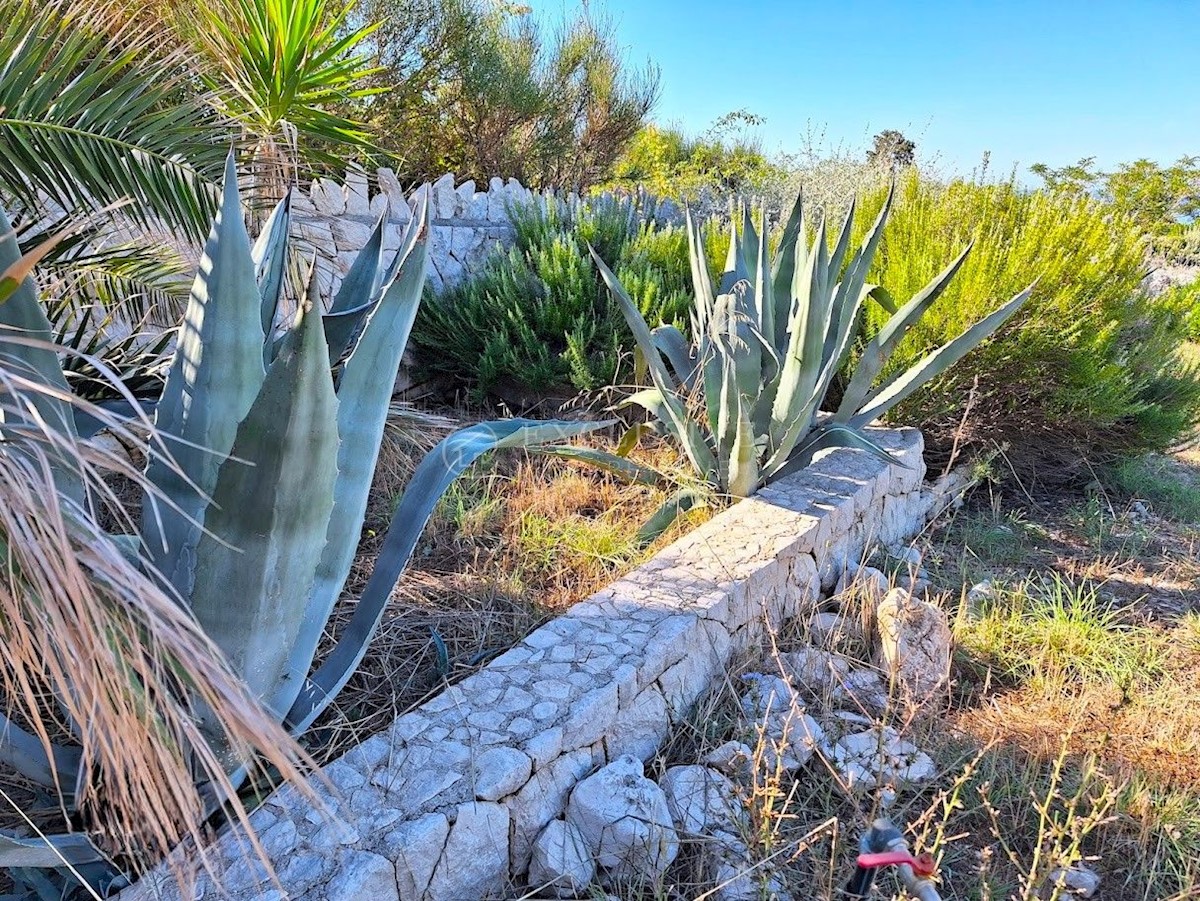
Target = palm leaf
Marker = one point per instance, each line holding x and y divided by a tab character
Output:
90	115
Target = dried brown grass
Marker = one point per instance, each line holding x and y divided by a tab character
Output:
93	651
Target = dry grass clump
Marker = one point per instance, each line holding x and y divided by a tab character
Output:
96	658
516	539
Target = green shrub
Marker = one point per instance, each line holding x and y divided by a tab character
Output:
1091	368
534	322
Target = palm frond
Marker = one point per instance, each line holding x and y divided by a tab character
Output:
91	114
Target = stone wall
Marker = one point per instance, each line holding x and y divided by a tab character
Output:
446	804
336	220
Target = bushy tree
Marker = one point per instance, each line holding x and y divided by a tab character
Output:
722	161
484	90
1159	198
892	150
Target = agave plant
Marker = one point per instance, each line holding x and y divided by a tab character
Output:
264	447
744	397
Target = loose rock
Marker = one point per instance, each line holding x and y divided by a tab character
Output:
701	800
914	644
624	821
561	862
1079	880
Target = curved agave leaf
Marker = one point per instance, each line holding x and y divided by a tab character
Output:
617	465
433	476
256	560
26	753
366	273
676	419
32	356
678	351
896	389
701	279
649	399
676	505
270	255
216	374
880	348
48	852
826	437
365	387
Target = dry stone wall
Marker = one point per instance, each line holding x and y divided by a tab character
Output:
468	221
447	804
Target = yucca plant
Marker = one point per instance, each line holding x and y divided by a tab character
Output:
264	447
744	397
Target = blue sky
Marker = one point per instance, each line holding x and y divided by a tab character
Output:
1048	81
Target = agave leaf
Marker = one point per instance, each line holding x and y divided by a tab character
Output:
367	381
617	465
743	457
749	247
26	753
676	505
365	275
880	348
764	297
735	268
896	389
26	340
650	400
831	436
48	852
215	376
270	255
678	351
784	265
341	327
801	361
256	562
429	482
676	418
701	280
630	439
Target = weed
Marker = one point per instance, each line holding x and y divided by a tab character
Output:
1171	488
1052	630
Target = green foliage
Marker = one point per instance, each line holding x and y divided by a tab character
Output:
1172	489
743	398
92	114
1156	197
1050	630
534	321
280	68
669	163
1091	368
482	88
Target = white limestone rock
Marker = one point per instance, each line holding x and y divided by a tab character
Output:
361	874
865	581
416	847
389	185
561	862
328	197
820	674
829	629
786	731
358	193
475	859
701	800
915	645
625	822
1078	881
879	756
500	771
734	758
